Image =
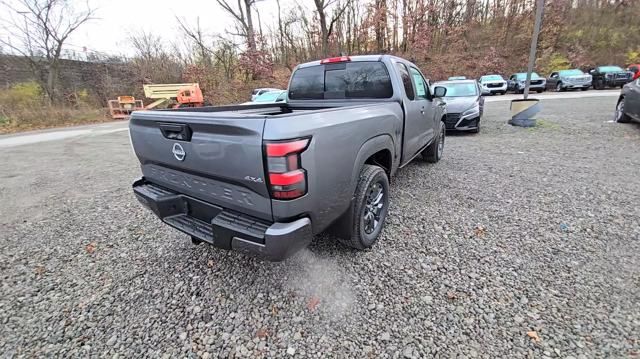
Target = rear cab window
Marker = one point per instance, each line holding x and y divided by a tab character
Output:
344	80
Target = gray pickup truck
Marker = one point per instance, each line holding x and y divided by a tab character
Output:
264	179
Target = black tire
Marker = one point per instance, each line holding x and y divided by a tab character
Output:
195	241
477	129
539	91
433	152
584	89
599	85
363	235
620	115
559	87
503	92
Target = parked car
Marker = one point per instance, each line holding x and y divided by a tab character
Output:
493	84
569	80
610	76
257	92
265	181
457	78
628	107
635	70
269	97
518	81
465	105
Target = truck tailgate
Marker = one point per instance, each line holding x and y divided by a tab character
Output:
216	158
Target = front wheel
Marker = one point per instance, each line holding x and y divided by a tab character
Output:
559	87
433	152
477	129
598	85
371	206
621	116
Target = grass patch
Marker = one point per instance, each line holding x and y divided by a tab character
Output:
48	117
544	124
23	108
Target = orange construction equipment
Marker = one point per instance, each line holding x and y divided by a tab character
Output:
121	108
186	95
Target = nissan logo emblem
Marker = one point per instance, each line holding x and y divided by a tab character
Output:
178	152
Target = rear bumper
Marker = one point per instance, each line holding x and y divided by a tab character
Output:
224	228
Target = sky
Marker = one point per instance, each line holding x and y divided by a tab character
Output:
117	19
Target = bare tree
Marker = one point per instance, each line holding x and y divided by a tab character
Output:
242	14
197	36
39	30
153	62
326	28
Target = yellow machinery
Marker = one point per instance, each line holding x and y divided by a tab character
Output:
186	95
121	108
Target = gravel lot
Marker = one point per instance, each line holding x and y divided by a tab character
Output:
520	243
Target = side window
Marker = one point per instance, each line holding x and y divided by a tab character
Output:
406	80
422	88
554	75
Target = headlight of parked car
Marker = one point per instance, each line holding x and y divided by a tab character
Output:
474	110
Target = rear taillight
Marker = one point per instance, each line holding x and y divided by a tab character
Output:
287	178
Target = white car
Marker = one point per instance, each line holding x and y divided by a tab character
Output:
257	92
493	84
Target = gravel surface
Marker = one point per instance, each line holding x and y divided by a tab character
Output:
519	243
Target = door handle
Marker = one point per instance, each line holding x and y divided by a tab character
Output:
173	131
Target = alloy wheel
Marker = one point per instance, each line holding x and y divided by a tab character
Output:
620	110
441	141
373	207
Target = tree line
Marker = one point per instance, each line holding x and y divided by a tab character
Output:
444	37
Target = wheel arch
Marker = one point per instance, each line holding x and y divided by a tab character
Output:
378	150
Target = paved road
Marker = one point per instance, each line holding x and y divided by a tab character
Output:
519	243
34	137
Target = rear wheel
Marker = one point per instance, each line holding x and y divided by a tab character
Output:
621	116
434	151
559	87
370	210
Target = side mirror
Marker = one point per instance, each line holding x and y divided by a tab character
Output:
439	91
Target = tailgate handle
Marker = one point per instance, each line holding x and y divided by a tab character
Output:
176	131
